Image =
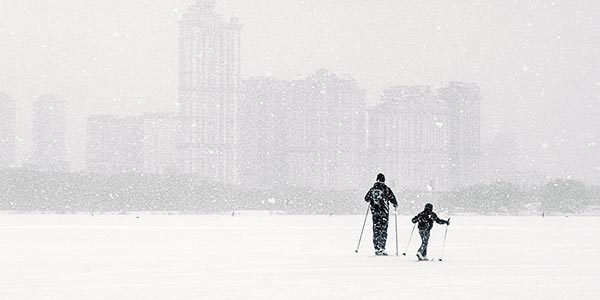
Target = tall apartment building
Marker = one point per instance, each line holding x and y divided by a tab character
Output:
49	146
464	107
159	142
306	133
7	131
134	144
114	144
209	87
420	136
325	131
408	138
262	123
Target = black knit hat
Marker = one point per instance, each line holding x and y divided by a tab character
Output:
380	177
428	206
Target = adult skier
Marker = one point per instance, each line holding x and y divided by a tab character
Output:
426	219
379	198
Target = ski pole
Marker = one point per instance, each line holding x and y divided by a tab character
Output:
363	229
396	219
411	235
444	244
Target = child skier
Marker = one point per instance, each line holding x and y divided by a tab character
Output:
426	219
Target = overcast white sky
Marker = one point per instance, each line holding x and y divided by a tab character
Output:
537	62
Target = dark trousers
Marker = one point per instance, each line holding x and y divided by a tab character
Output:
424	241
380	226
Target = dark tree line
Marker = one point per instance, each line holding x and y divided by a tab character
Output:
31	191
556	196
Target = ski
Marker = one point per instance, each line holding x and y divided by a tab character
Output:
429	260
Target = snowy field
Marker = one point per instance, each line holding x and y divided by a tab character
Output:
292	257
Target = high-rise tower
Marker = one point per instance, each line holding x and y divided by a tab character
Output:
209	89
464	107
305	133
428	140
49	122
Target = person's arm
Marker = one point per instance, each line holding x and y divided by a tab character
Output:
438	220
415	219
392	198
367	198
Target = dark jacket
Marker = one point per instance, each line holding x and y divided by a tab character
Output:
426	219
379	197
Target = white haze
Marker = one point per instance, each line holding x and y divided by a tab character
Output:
537	62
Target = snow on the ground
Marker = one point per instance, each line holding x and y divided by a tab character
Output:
292	257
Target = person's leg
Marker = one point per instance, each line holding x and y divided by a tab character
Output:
425	239
422	249
376	230
379	232
383	236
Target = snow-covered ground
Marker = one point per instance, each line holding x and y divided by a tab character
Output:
292	257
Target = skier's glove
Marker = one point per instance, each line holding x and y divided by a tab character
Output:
448	222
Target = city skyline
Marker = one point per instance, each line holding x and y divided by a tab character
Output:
249	149
527	97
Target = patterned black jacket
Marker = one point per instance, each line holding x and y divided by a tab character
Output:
379	197
426	219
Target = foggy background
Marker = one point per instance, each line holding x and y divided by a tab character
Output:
537	62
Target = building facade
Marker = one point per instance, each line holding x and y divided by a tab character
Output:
49	146
114	144
262	142
134	144
464	107
159	142
209	91
325	134
427	140
305	133
7	131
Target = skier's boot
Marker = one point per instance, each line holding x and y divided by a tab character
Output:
421	257
381	253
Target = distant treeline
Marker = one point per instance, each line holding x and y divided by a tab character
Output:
29	191
556	196
32	191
